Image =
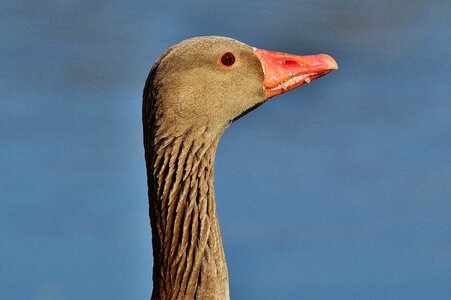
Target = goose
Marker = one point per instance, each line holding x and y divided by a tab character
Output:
193	92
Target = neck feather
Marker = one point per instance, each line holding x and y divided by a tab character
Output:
189	260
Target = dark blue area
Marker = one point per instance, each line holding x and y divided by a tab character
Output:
338	190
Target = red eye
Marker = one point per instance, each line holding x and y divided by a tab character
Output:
228	59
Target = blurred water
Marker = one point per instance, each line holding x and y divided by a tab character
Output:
338	190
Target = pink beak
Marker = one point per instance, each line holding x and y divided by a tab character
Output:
284	72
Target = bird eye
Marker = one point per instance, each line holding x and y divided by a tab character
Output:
228	59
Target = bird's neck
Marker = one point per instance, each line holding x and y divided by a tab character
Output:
189	260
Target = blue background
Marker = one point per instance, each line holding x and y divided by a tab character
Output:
340	189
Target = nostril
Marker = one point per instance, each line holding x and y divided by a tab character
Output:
289	62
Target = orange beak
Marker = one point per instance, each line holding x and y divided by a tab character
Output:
284	72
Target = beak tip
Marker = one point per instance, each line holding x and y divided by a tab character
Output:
330	61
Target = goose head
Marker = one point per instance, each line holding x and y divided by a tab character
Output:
215	80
